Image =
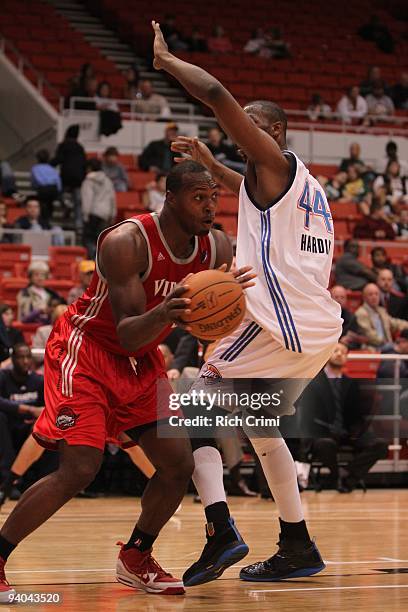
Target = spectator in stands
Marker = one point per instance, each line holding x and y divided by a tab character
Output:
103	97
373	77
219	42
115	170
4	236
375	226
351	334
352	106
9	335
70	156
378	104
391	187
131	75
256	43
318	110
7	181
171	34
381	261
332	414
394	302
354	189
42	334
98	204
86	268
399	92
33	302
353	160
90	91
150	104
275	46
334	186
223	152
155	194
157	156
21	403
374	320
32	220
350	272
391	151
185	356
399	347
401	226
197	41
378	33
47	183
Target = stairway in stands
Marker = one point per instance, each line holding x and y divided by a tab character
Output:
110	46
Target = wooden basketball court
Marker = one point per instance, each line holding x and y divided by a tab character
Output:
363	538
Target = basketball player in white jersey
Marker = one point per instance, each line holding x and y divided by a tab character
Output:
285	231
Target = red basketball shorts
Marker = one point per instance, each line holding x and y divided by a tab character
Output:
92	394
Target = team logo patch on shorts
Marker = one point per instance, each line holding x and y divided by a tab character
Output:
211	374
66	418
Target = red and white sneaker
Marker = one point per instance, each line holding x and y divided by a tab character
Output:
140	571
5	589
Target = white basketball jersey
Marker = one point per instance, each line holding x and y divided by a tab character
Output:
290	246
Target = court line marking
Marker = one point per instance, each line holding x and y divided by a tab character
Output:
336	588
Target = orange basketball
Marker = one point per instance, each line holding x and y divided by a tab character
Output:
217	304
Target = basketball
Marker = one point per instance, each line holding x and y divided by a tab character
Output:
217	304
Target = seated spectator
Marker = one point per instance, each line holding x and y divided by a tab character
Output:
4	236
157	156
21	403
373	77
197	42
86	268
42	334
399	347
275	47
378	104
7	181
9	336
378	33
401	226
391	151
354	189
90	89
335	186
332	414
32	220
224	153
98	204
47	183
353	160
351	334
350	272
399	93
151	105
219	42
172	35
256	43
131	75
391	187
155	194
394	302
375	226
318	110
352	106
381	261
115	170
374	320
103	97
33	302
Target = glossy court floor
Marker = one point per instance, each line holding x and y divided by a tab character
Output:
363	538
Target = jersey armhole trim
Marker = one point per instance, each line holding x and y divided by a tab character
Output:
213	251
292	175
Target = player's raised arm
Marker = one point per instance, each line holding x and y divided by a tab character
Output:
195	149
259	146
134	326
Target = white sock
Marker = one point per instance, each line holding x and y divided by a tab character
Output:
208	475
280	472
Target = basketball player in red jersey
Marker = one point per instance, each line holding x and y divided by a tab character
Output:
102	364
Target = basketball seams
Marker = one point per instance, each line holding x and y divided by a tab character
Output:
223	282
218	311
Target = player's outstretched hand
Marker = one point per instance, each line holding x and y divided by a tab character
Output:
160	48
242	275
174	306
192	148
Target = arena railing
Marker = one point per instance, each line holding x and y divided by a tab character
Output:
40	240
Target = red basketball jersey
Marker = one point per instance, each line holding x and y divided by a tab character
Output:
92	313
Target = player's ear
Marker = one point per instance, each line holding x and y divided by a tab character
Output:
170	198
276	129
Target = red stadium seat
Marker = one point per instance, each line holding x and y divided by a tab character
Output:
354	300
61	259
9	289
27	329
12	254
229	223
61	286
364	368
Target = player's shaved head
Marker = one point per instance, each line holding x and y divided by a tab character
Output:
187	174
271	111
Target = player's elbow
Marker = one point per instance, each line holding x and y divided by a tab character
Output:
214	93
